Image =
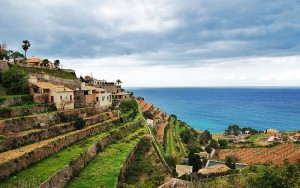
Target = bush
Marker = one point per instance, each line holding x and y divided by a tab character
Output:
126	106
79	123
15	80
208	149
147	114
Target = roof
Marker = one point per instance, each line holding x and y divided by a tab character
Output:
219	168
175	183
183	169
149	121
272	131
91	88
122	93
33	60
52	87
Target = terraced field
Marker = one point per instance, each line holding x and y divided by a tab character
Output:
276	154
104	169
174	146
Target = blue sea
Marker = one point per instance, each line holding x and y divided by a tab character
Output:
216	108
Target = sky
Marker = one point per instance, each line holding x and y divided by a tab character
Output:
163	43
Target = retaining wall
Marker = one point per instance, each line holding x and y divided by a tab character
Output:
63	176
16	164
43	120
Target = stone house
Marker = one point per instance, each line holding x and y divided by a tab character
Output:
121	96
94	96
45	92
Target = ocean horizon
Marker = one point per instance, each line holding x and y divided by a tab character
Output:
214	108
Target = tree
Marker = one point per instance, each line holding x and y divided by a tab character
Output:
81	79
45	63
126	106
79	123
230	161
208	149
119	81
214	144
57	63
251	130
206	136
25	46
195	161
16	56
223	143
15	80
233	129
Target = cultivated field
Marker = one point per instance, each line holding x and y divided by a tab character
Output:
276	154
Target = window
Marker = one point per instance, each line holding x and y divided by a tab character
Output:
103	98
71	97
60	97
97	98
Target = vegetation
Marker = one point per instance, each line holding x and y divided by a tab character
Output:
233	129
15	80
195	161
127	106
223	143
147	114
48	166
79	123
52	72
230	161
25	46
105	167
146	165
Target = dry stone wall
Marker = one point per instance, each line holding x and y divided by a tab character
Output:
8	112
16	164
62	177
43	120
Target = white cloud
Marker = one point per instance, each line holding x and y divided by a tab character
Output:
131	70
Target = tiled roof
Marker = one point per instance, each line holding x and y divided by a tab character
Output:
219	168
52	87
92	88
183	169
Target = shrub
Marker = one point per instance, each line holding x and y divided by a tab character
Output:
208	149
79	123
14	80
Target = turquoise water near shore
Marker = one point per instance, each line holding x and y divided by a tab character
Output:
216	108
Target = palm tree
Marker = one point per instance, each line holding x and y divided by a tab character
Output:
119	81
25	46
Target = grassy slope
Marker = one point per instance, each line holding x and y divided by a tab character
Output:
178	139
12	96
170	139
104	169
48	166
53	72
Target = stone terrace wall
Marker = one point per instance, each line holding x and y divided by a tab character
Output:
37	135
40	120
10	101
63	176
16	164
130	158
8	112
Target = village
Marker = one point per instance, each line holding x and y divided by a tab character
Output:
183	152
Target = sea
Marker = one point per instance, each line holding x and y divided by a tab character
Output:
214	109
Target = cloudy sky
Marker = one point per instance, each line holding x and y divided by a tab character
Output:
163	42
